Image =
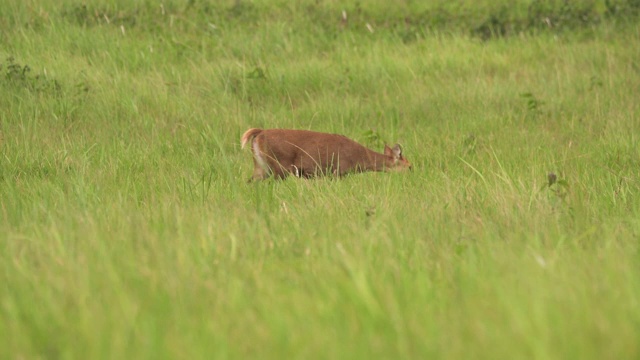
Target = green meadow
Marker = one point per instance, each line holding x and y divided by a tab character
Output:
128	229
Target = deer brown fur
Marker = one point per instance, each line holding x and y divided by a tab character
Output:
303	153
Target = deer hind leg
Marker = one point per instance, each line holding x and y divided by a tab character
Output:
279	171
261	168
305	167
267	165
298	169
259	173
295	170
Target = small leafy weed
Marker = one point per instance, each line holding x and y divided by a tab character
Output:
559	188
533	103
373	139
17	76
470	144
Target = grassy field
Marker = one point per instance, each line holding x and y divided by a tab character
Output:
128	230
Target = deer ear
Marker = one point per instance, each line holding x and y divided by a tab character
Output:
387	150
396	151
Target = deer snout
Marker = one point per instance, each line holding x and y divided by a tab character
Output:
407	165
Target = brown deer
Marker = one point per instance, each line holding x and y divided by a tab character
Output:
303	153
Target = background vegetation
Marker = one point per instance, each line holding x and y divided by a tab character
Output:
127	228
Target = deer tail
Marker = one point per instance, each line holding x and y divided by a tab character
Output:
248	135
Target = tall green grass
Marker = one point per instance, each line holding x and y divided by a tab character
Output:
127	228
